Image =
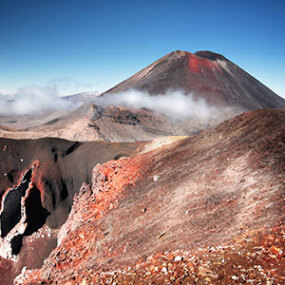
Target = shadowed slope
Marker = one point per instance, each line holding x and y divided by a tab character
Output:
62	168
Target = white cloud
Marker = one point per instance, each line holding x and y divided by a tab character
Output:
174	104
32	100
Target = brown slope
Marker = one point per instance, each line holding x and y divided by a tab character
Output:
209	75
6	129
224	184
92	122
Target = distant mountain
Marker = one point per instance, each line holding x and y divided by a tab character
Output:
206	74
82	97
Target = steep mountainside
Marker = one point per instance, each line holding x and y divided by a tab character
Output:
207	209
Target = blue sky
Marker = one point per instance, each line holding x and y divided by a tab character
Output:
92	45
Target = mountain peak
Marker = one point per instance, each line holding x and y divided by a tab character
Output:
175	55
179	53
203	54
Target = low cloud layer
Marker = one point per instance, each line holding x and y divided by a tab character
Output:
34	100
172	104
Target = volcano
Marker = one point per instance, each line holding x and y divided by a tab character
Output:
208	75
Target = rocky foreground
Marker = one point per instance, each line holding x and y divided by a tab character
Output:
208	209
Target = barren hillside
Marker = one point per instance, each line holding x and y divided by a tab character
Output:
205	209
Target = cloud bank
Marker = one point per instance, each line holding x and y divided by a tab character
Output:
174	104
34	100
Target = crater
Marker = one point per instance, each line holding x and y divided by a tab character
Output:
22	212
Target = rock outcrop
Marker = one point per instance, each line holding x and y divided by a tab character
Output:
39	179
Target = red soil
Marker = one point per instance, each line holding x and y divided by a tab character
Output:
200	64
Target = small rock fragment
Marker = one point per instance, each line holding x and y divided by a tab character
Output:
178	258
155	178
